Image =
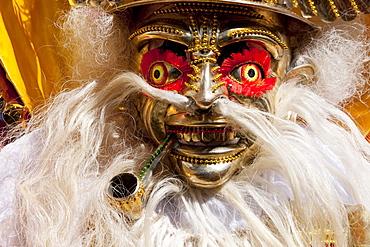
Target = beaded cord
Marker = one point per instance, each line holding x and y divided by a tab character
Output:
154	155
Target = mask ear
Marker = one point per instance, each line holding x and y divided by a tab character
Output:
304	73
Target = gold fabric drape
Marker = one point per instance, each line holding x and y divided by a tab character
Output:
27	47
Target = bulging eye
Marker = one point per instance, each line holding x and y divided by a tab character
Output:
245	73
162	73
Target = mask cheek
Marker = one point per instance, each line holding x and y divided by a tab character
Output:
248	90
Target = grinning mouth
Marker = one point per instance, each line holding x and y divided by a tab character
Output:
206	145
207	151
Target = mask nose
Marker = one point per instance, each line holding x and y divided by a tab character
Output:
206	88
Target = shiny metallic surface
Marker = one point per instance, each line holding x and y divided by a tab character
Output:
125	193
205	97
327	10
209	150
207	176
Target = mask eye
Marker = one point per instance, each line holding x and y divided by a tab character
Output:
165	70
162	73
246	73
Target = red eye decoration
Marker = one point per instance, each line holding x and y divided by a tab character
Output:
165	70
247	73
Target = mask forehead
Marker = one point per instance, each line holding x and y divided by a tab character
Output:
194	25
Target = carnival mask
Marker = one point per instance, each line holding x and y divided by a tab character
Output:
208	52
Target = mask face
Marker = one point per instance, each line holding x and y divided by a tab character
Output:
207	57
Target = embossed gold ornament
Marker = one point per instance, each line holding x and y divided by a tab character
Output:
248	31
213	161
327	10
164	29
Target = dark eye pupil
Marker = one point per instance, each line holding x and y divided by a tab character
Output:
157	74
251	73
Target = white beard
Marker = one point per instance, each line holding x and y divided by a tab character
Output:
300	181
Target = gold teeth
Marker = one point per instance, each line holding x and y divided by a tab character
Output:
206	136
156	28
181	8
193	87
215	161
128	204
248	31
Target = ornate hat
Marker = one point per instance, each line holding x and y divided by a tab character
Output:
327	10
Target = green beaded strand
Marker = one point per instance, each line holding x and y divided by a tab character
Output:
155	154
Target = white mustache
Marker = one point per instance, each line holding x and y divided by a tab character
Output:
249	119
179	101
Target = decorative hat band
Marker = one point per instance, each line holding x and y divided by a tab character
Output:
327	10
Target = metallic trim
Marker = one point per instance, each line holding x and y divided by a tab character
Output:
295	3
193	87
247	31
208	8
195	68
193	77
355	7
127	204
220	84
215	69
204	42
312	7
216	77
130	204
213	161
203	60
157	28
327	10
334	8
